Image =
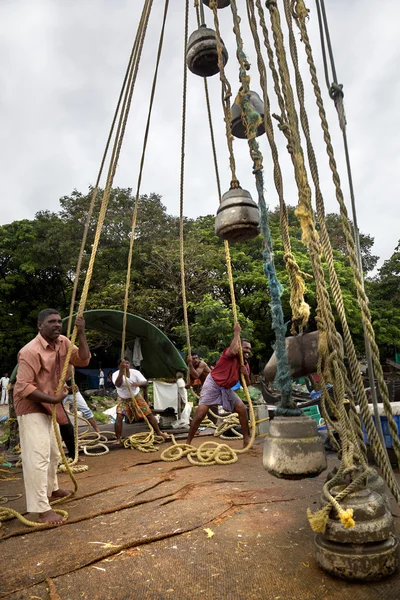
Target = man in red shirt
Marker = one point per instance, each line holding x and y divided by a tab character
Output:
40	364
217	386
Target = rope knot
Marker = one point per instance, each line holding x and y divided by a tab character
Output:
299	11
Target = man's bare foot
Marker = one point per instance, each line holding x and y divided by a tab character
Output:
246	442
166	436
59	494
51	517
197	432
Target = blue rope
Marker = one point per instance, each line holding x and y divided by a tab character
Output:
283	379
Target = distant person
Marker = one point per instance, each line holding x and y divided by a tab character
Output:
81	405
217	386
40	364
110	383
101	379
126	407
198	371
4	381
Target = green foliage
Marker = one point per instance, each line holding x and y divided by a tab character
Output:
101	417
211	328
38	262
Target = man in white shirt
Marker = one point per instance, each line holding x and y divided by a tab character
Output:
101	379
4	381
128	408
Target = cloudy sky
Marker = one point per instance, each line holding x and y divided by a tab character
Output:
62	66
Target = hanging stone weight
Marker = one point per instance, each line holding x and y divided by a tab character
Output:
238	128
302	353
202	54
294	449
369	550
220	3
375	483
373	521
238	217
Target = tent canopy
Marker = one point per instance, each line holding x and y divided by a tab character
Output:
160	357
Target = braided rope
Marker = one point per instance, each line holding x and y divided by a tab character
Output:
300	309
299	14
133	69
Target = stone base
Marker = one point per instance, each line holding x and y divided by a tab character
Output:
294	449
367	562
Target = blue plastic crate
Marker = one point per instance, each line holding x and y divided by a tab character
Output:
385	429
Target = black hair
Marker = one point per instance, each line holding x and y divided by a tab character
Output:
194	353
121	359
46	313
245	340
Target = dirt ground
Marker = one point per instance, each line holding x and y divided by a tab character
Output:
140	528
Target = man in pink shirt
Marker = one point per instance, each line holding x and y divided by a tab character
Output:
40	364
218	383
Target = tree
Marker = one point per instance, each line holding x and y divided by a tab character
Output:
38	268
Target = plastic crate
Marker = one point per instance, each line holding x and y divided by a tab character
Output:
385	429
313	412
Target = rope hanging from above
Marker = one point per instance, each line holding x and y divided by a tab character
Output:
298	12
251	120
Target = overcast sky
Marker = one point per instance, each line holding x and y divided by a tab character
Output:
61	70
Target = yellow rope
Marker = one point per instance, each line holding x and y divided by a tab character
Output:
299	14
142	29
210	453
331	354
139	182
300	309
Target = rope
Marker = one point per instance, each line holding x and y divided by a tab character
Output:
139	182
181	188
331	354
143	441
251	119
300	309
377	447
96	187
134	66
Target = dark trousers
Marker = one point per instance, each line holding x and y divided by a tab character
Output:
67	435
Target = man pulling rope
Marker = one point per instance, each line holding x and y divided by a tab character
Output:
127	407
40	364
218	384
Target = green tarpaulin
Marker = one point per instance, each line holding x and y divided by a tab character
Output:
160	357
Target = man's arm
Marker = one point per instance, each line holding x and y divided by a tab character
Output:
84	352
123	365
38	396
234	347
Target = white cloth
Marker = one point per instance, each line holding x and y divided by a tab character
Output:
165	395
137	355
134	377
101	378
81	404
40	456
4	381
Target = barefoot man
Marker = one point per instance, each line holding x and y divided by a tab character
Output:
40	364
126	407
217	386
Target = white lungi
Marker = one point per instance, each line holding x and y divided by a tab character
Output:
40	456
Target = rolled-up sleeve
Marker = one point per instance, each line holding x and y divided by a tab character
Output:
28	365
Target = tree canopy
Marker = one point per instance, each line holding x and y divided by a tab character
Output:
38	265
